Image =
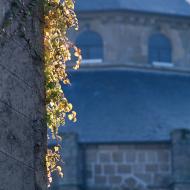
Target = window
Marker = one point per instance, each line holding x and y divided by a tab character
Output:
159	49
91	46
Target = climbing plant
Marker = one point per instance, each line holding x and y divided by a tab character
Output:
58	17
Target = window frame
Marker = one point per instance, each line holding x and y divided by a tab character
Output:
159	52
87	46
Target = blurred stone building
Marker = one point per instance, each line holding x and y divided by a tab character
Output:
132	96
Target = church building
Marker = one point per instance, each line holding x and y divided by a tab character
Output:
132	97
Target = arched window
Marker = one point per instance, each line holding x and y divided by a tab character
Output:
91	45
159	49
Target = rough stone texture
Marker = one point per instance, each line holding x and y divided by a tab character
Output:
71	166
125	36
142	166
181	159
23	132
128	166
14	174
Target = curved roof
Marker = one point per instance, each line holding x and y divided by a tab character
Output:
128	105
169	7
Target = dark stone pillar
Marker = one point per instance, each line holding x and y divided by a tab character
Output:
181	159
72	162
23	137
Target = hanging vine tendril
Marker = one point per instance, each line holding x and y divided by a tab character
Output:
59	17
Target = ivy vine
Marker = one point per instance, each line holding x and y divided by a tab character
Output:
59	16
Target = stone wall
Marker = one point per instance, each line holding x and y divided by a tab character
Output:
73	166
23	132
128	166
125	36
181	159
135	166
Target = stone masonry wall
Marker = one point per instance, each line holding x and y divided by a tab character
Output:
181	159
23	133
134	166
125	36
128	167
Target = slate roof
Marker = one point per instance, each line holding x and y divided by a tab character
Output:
169	7
128	106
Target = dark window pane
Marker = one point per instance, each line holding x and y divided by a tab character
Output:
165	55
154	55
91	45
85	52
159	48
96	53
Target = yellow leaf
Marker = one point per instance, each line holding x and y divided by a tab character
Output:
56	148
59	168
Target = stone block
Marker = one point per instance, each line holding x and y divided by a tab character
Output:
91	155
100	180
71	155
181	187
161	179
114	180
97	187
163	156
89	174
145	177
131	183
124	169
165	168
69	187
98	169
181	159
118	156
136	168
109	169
141	156
131	156
104	157
108	147
151	156
151	168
